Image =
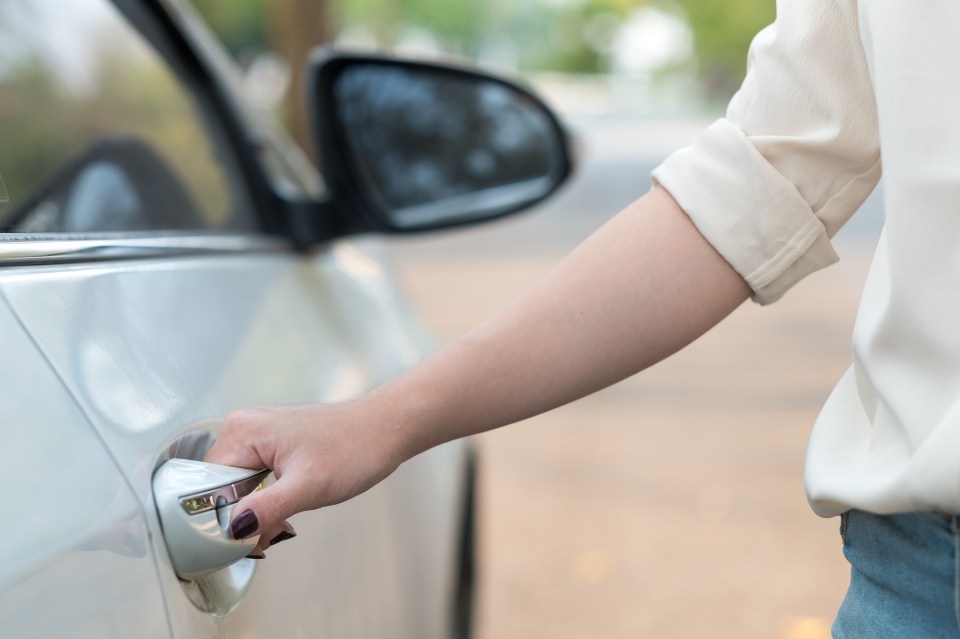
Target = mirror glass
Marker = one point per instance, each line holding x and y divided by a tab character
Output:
433	146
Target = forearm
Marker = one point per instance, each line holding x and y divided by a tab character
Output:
639	289
642	287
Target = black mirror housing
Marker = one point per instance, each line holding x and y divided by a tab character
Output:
409	146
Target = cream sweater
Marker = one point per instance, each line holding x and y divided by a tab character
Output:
833	86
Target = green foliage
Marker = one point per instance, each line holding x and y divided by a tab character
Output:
35	126
554	38
241	24
458	24
44	127
456	20
549	35
722	33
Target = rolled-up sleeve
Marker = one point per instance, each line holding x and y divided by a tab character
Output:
796	154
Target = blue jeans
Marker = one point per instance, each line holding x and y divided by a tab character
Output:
904	578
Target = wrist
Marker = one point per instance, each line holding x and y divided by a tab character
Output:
409	418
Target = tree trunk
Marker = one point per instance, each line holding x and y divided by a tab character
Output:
297	27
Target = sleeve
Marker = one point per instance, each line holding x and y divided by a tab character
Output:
796	154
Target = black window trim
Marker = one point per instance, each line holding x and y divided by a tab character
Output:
305	220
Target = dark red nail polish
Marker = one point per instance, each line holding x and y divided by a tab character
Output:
244	525
285	535
256	556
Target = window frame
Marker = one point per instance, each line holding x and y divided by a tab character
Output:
221	117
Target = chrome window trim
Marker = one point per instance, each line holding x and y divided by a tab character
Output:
18	249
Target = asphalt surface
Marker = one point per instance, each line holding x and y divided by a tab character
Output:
670	505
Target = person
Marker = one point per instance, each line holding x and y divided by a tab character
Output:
746	211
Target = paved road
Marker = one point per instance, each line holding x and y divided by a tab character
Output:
670	505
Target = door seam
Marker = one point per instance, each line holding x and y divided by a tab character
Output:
96	432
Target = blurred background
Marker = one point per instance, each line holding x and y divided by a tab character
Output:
632	57
670	505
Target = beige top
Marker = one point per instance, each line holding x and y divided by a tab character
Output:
831	86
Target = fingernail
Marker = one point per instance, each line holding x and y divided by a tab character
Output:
256	556
285	535
244	525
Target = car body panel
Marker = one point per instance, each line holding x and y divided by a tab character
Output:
149	346
154	349
125	344
70	520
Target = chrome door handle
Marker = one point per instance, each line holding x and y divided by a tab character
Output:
195	501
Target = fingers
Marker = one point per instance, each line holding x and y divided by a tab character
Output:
239	443
321	455
242	444
277	534
264	513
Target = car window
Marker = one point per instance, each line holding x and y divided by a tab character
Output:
98	133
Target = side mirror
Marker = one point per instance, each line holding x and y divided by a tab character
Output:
413	146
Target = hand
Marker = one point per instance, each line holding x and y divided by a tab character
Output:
321	454
642	287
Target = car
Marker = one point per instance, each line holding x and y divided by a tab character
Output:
167	255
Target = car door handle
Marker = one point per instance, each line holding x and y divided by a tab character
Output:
195	501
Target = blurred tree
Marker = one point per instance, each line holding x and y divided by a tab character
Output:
381	18
458	25
240	24
296	27
288	27
722	32
571	36
561	39
460	21
44	125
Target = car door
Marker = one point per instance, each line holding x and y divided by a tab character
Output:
75	559
139	304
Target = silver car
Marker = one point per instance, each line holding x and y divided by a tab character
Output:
167	256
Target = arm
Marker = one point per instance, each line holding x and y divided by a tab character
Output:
639	289
767	187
